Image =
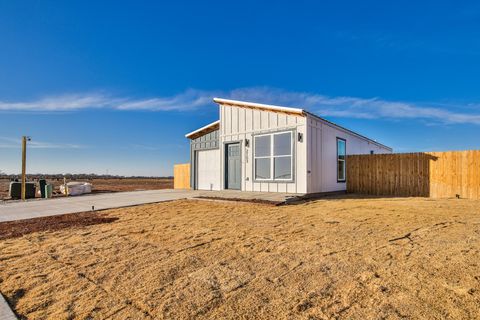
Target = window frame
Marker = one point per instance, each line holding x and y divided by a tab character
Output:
344	161
272	156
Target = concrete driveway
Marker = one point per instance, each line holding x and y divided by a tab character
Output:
11	211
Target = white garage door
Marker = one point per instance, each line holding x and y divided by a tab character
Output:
208	170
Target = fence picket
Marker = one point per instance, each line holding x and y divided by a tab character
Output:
434	174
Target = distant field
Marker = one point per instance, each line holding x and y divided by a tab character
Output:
107	185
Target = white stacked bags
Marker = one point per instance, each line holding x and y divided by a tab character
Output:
76	188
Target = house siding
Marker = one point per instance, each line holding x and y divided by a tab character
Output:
238	124
322	154
314	156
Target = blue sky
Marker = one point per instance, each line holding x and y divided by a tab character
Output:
115	85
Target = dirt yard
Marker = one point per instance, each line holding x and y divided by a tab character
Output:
106	185
342	258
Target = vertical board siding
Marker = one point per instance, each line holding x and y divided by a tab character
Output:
207	141
228	120
256	120
235	119
322	154
282	120
273	121
240	124
430	174
181	176
248	120
241	120
264	120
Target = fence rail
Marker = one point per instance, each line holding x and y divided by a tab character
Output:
429	174
181	176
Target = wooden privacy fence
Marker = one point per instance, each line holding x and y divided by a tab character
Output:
429	174
181	176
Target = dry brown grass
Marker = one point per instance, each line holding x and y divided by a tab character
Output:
334	258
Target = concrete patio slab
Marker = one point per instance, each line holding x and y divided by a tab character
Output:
249	196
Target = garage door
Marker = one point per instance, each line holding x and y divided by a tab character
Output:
208	170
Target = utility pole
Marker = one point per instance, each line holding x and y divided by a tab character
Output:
24	166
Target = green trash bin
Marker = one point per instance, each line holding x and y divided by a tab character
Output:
42	183
15	190
48	191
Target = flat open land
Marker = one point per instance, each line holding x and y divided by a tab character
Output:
106	185
342	258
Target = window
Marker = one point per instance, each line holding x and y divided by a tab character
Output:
263	150
341	153
273	156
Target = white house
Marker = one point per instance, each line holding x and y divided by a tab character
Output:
259	147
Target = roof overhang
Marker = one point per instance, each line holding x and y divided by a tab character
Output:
260	106
290	111
266	107
204	130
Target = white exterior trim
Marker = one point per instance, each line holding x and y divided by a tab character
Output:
259	105
272	156
188	135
